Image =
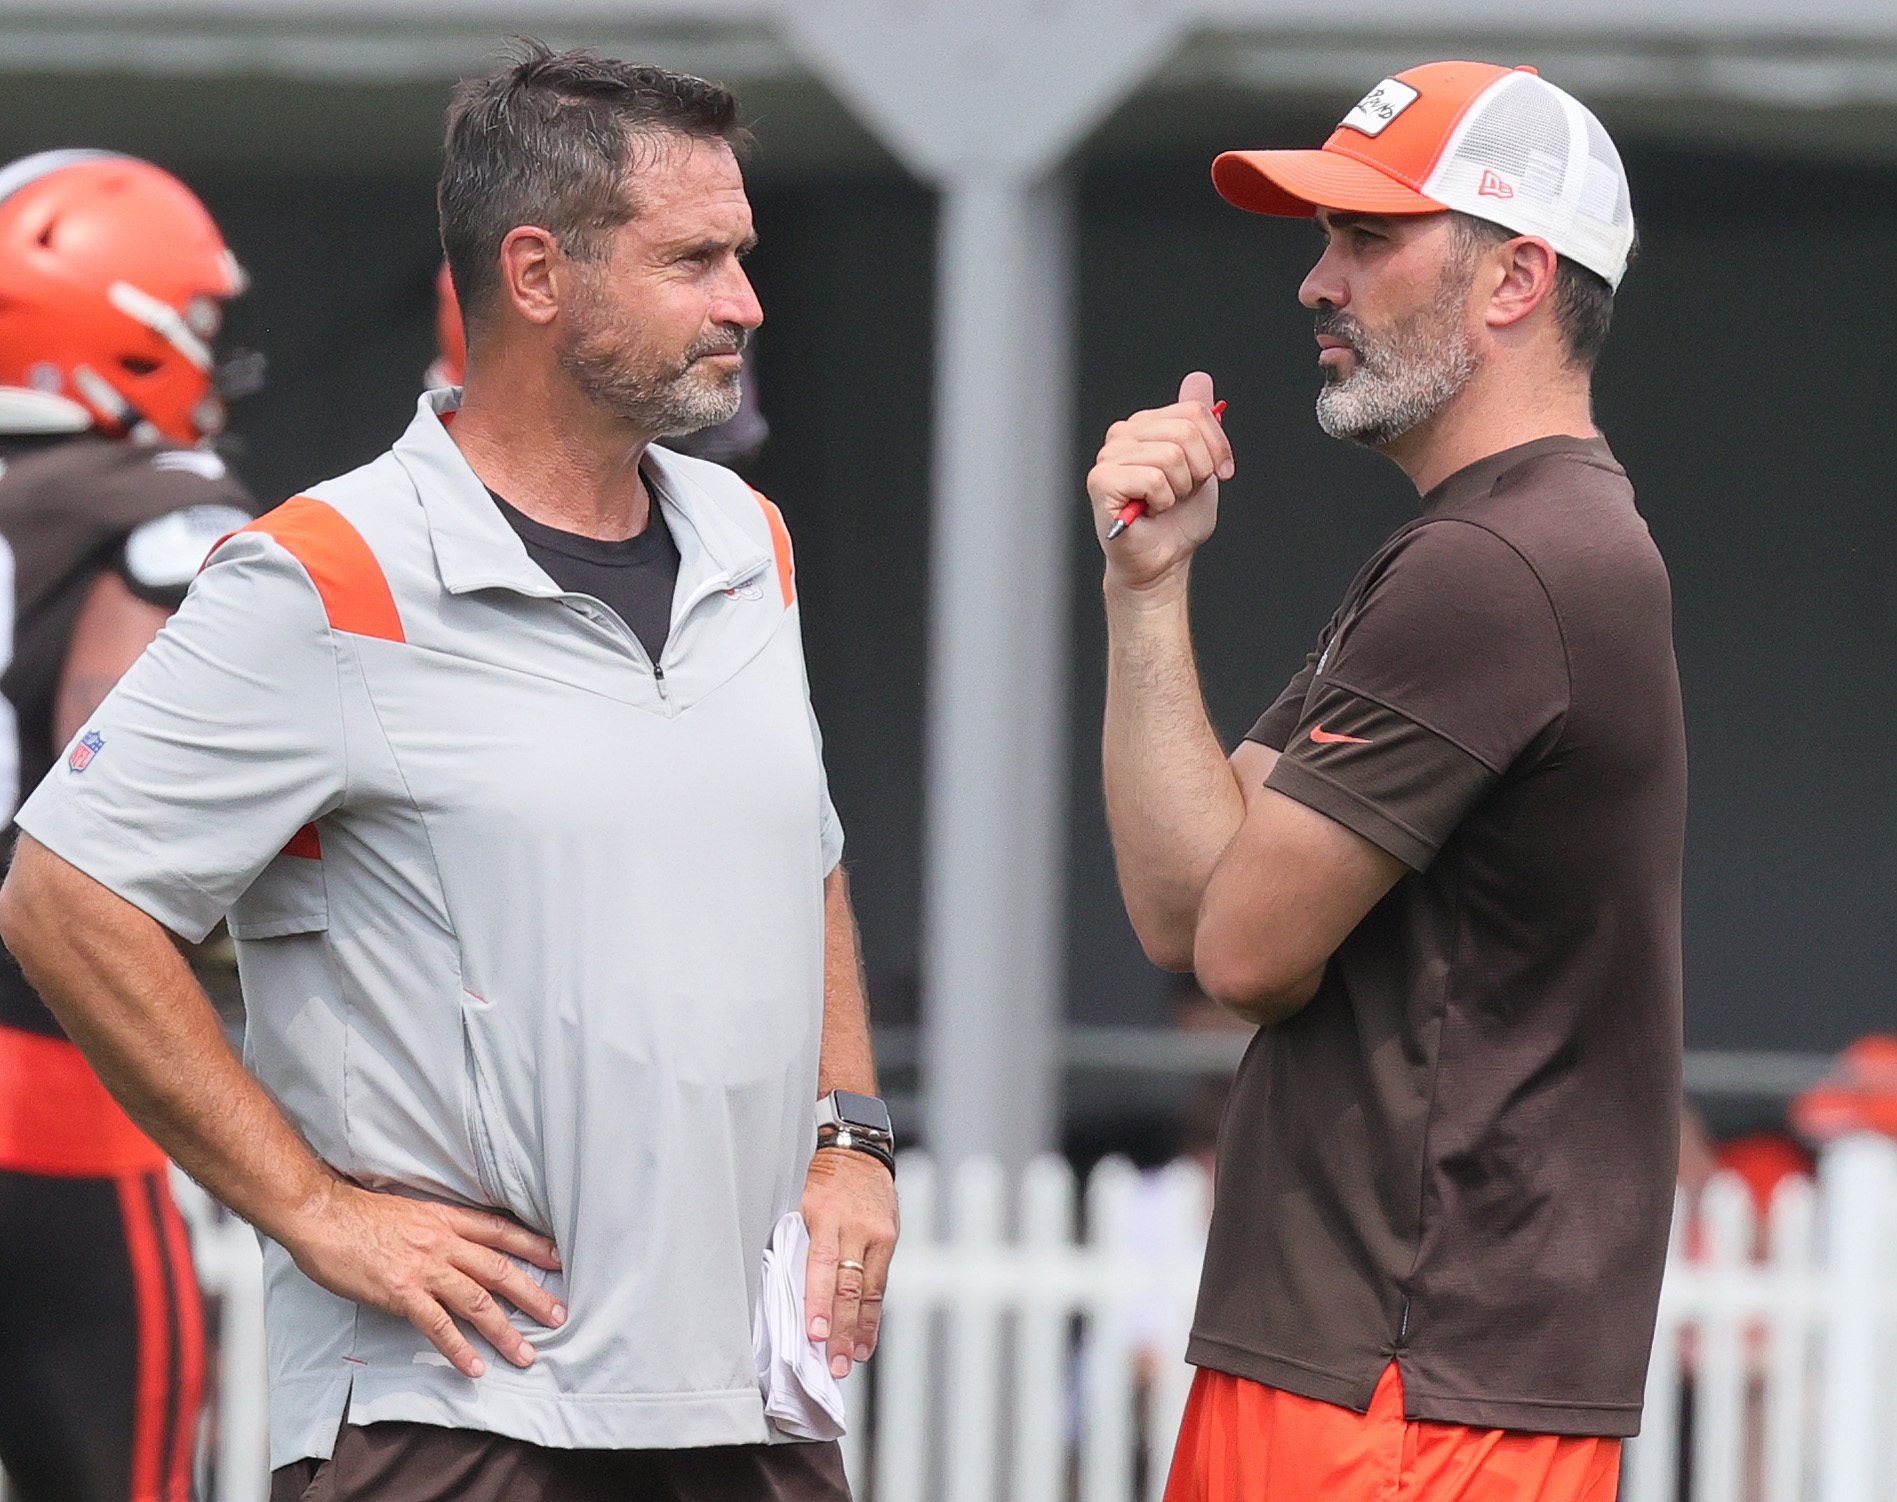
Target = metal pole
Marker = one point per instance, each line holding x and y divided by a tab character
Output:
985	99
996	788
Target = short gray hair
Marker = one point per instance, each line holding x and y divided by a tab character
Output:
1583	301
552	141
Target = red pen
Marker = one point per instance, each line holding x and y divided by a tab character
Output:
1132	511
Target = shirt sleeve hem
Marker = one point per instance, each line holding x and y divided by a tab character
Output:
1337	802
88	843
1415	719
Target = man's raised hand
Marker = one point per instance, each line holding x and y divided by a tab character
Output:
1171	459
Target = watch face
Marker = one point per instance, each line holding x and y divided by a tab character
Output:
862	1111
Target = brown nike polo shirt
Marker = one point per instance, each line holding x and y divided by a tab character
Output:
1461	1154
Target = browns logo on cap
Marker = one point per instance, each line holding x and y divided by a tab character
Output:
1502	144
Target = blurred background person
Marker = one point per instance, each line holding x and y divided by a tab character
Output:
451	340
112	281
1763	1156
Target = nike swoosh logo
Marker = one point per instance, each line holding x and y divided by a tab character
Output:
1324	738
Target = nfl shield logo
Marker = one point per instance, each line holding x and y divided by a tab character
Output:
82	754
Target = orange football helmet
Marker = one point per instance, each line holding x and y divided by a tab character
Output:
451	366
112	283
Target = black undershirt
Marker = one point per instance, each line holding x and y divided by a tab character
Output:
635	578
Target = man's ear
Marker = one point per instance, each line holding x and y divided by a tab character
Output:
1528	267
531	263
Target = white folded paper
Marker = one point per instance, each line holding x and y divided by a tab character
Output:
800	1396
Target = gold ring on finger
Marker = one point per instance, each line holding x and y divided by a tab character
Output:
856	1265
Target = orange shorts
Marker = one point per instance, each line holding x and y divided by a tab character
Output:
1243	1442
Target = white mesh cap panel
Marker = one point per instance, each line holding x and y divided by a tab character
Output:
1533	159
1515	142
1605	196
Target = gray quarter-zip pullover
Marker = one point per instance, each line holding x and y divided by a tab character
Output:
525	919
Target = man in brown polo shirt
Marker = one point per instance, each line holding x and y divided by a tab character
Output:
1442	871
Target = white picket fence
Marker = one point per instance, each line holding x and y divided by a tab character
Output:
1034	1335
1783	1336
1047	1365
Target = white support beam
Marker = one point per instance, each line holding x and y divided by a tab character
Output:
994	924
985	99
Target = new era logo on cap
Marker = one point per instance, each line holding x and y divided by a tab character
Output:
1492	186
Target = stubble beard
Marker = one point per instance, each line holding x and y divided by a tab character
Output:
1405	375
661	396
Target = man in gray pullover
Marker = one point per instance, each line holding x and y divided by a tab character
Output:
497	754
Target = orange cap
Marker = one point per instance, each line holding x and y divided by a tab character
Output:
1502	144
1376	161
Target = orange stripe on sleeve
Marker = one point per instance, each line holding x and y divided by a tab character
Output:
344	570
780	545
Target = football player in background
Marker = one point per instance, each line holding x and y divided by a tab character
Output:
113	278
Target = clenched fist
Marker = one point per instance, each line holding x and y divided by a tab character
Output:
1172	459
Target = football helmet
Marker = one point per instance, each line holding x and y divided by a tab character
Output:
113	278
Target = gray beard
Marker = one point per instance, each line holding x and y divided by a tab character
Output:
1404	377
664	402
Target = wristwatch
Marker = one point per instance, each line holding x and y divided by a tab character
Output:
859	1123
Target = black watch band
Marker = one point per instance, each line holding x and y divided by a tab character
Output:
856	1142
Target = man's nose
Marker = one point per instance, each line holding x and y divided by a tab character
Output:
1322	284
739	303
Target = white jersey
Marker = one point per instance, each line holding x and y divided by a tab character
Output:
525	920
